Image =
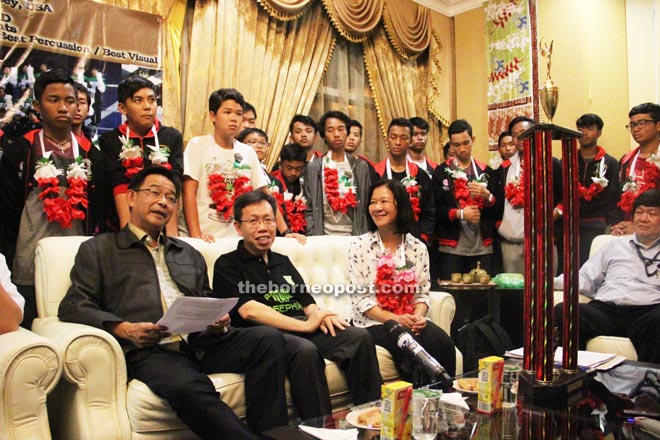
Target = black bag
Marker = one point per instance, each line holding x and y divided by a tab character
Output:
481	338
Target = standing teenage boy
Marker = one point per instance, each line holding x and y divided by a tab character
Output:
141	142
336	185
218	169
45	184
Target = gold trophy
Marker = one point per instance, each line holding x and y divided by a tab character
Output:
549	93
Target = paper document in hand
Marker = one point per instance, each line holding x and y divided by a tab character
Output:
586	359
189	314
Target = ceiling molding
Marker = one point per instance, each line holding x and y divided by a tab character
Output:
451	7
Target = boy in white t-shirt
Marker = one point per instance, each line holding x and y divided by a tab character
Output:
217	169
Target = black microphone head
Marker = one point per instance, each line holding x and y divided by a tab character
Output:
394	329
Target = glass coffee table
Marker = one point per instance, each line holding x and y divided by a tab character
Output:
612	406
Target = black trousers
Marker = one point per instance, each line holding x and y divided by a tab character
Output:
639	323
434	340
354	352
182	380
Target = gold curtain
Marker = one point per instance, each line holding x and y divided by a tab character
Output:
285	9
399	86
441	70
408	26
276	65
173	12
354	19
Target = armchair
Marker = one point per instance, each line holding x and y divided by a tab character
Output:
30	367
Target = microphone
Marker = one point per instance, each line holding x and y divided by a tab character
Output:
407	343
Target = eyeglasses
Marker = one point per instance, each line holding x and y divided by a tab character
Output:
640	124
170	198
259	143
253	222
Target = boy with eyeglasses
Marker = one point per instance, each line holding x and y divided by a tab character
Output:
637	169
140	142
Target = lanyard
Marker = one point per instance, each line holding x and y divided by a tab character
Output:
156	147
46	154
400	253
388	169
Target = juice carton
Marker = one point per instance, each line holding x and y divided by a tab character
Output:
396	407
490	384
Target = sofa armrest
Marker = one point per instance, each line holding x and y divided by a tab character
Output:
443	309
30	367
92	401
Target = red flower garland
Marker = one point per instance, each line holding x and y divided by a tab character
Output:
395	288
335	200
628	196
133	166
223	195
588	194
514	192
462	195
414	194
60	210
295	214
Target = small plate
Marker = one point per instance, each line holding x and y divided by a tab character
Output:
463	390
353	417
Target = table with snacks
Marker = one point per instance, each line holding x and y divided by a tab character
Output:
475	300
618	404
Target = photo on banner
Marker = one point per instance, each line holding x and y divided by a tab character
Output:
97	45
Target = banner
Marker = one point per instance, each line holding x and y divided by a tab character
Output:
83	28
97	44
511	54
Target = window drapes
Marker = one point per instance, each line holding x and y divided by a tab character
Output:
400	86
277	65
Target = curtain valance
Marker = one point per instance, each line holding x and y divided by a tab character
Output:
408	27
285	10
354	19
408	24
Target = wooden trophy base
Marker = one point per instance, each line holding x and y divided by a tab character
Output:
566	387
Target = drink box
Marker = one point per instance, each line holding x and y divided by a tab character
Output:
490	384
395	408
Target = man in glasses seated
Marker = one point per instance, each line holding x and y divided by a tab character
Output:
272	293
623	281
123	282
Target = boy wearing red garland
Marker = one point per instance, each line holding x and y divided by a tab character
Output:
292	165
510	199
45	183
141	142
464	223
599	184
336	184
218	169
639	170
417	182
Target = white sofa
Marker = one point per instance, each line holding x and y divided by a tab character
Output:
95	402
30	367
604	344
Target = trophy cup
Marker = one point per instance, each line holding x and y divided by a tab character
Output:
549	92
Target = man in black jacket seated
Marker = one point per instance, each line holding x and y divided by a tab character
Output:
122	282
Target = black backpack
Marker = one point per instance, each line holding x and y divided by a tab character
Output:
481	338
